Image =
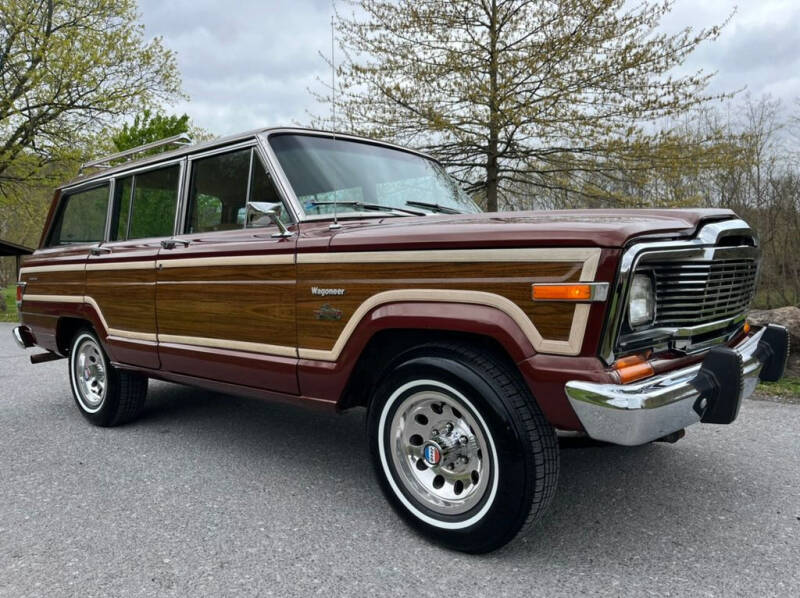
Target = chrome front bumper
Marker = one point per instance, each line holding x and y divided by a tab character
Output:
711	392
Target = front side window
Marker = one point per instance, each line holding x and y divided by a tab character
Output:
218	191
145	204
81	217
360	176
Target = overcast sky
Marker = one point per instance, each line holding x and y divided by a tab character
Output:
249	63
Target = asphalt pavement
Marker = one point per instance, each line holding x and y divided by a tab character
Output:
211	495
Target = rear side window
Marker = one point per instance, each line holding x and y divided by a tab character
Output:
81	217
145	204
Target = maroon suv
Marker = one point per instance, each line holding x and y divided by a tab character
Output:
341	272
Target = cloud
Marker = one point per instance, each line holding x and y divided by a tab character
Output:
757	50
245	64
249	63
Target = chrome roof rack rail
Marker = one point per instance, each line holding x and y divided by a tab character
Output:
105	161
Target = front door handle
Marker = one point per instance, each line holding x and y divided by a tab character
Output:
99	250
173	243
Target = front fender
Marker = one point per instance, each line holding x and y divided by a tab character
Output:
328	379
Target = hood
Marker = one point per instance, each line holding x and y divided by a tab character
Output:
585	228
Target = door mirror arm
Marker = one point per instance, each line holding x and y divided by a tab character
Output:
259	210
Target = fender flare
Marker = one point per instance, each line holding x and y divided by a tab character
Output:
327	379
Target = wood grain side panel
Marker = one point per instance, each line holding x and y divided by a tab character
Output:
235	303
361	281
54	283
126	298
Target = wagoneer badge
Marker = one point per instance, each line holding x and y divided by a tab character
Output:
328	312
320	292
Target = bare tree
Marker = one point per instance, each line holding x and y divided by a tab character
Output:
515	93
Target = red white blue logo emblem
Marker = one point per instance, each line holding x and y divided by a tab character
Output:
432	454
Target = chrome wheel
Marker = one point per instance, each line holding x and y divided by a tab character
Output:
89	374
441	451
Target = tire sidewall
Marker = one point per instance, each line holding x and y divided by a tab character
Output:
504	509
104	413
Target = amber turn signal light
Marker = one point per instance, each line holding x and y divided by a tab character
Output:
562	292
633	368
746	327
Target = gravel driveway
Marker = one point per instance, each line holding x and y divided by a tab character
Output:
210	495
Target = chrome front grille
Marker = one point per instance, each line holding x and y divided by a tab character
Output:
691	293
704	287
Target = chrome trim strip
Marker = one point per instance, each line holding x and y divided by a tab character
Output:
109	210
114	265
53	298
182	185
127	334
242	260
218	343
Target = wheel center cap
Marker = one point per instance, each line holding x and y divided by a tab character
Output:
432	454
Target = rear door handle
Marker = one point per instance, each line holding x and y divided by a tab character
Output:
173	243
99	250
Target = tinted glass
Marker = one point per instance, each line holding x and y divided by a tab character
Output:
155	199
218	192
323	169
122	205
82	217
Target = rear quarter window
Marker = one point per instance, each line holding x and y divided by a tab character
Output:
81	217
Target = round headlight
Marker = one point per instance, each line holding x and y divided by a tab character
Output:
641	301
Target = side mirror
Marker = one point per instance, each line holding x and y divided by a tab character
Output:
262	213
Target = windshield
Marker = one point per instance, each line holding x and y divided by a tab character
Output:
362	177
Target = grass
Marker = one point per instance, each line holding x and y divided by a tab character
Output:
9	296
789	386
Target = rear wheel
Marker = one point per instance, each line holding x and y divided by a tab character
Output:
462	451
105	395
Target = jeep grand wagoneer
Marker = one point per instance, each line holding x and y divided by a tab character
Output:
342	272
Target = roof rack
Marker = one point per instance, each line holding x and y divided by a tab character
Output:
105	162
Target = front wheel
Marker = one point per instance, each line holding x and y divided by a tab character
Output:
461	449
105	395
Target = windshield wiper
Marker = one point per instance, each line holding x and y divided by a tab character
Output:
367	206
433	206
